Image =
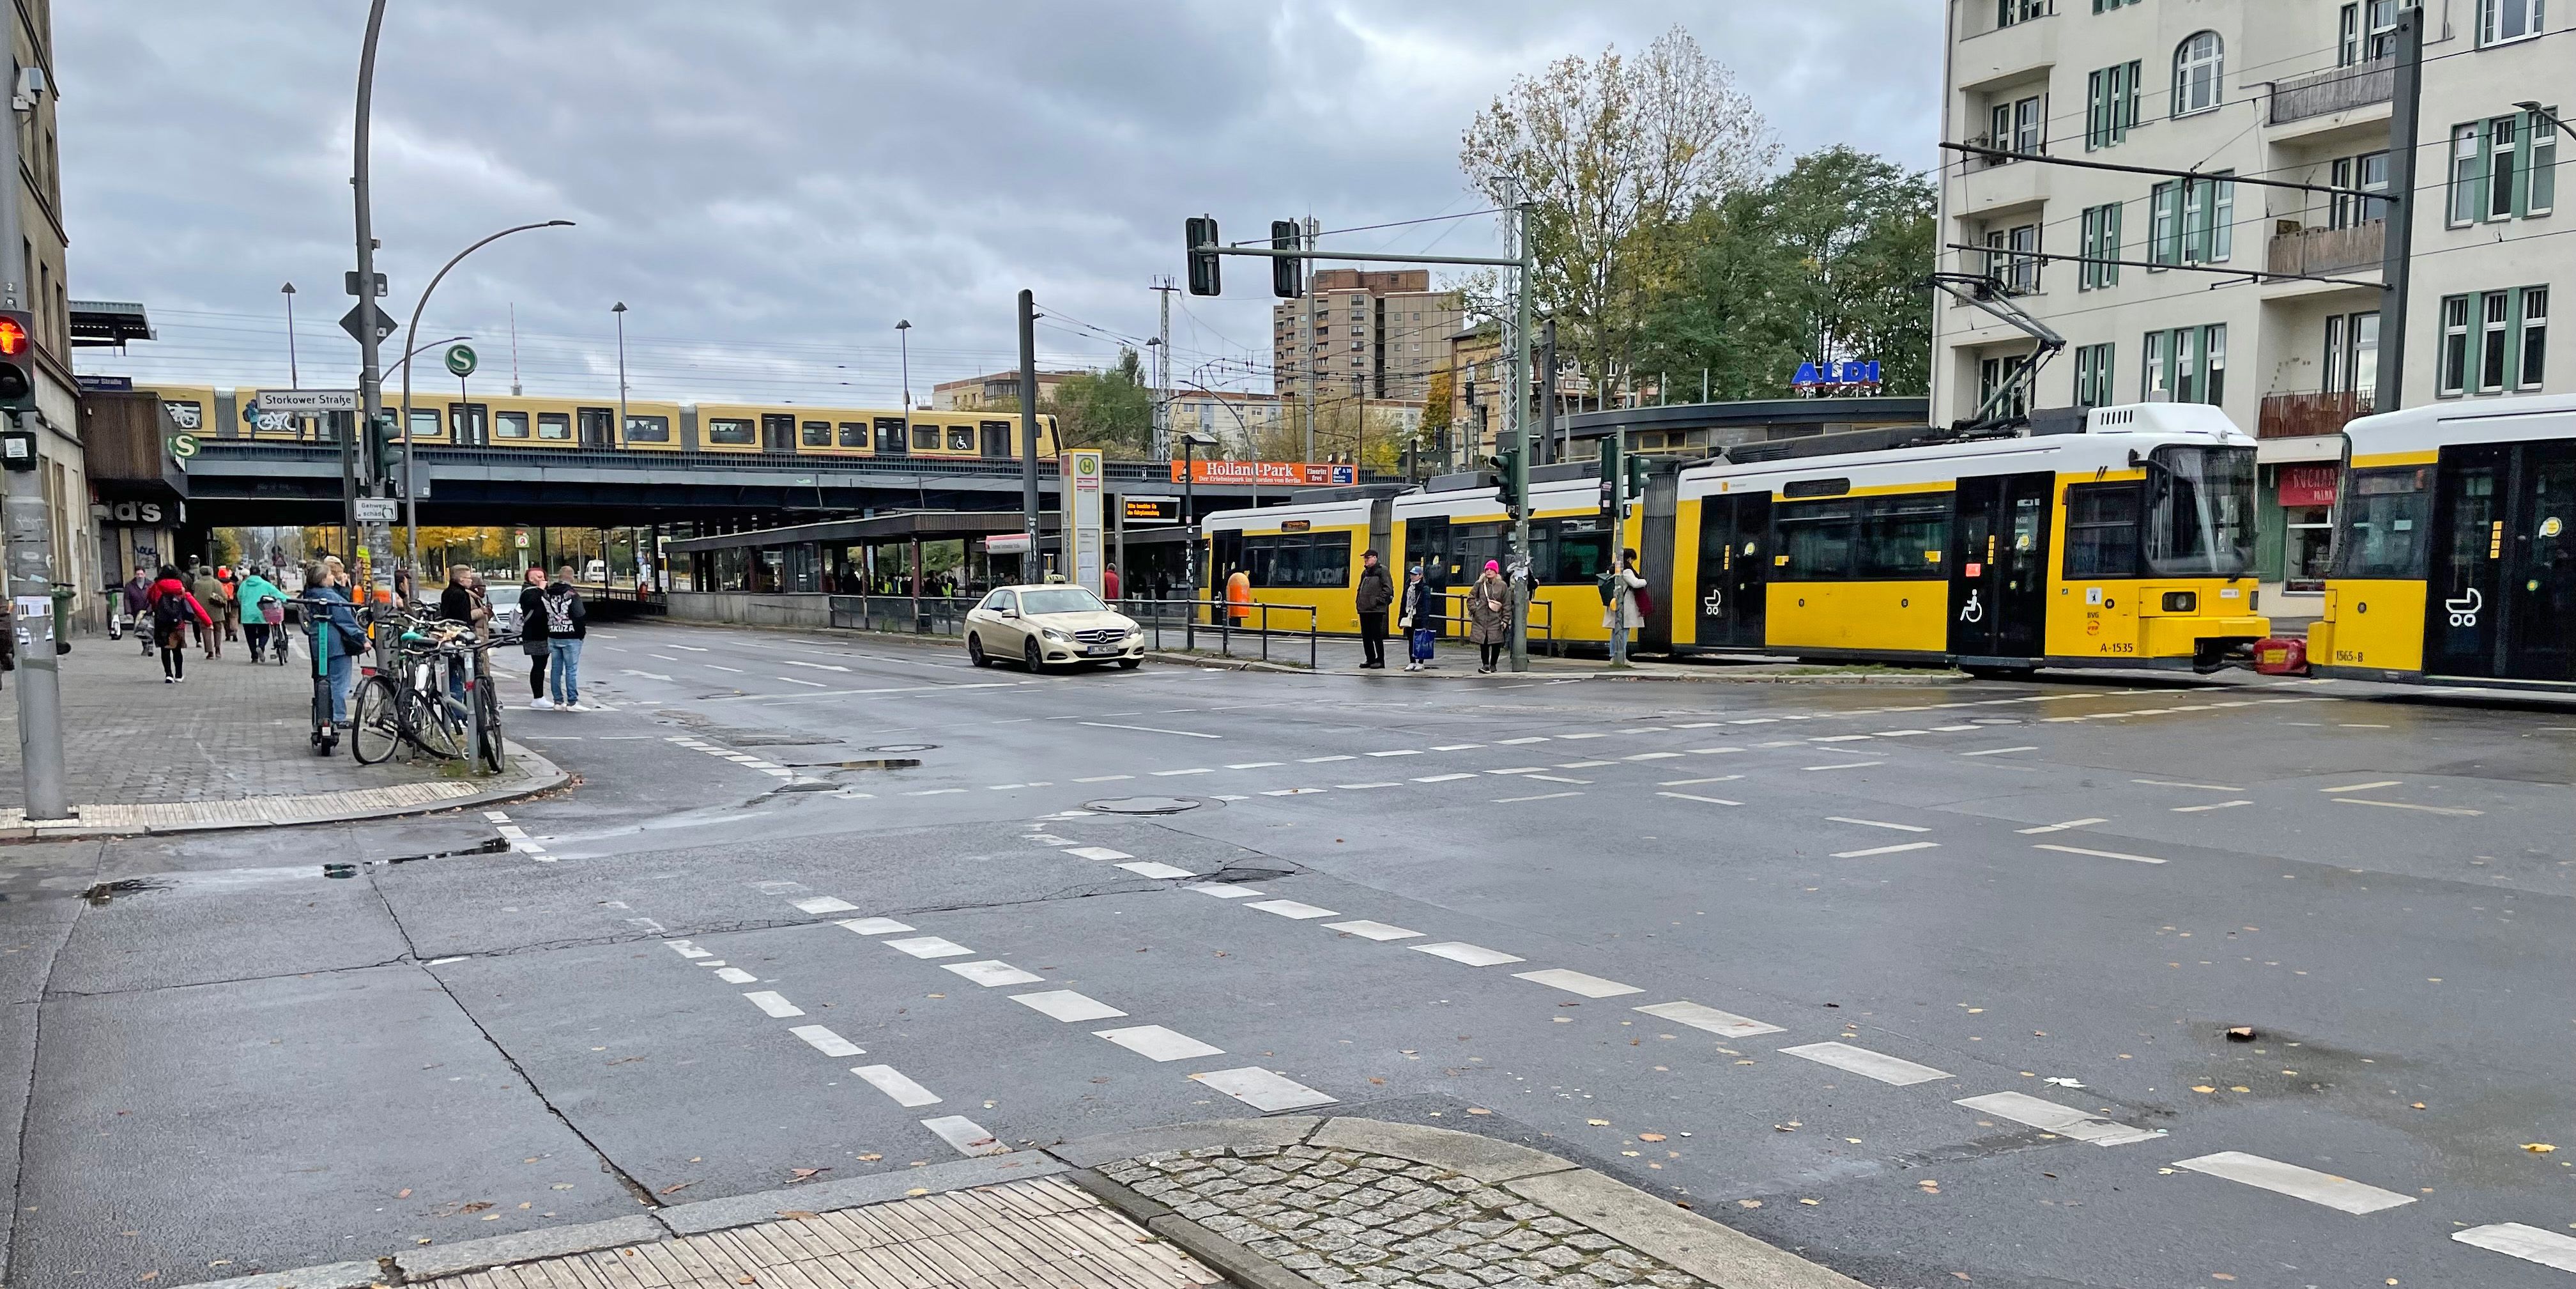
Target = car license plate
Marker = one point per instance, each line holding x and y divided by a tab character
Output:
1103	651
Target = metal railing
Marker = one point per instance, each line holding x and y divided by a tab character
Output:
1159	616
919	615
1157	472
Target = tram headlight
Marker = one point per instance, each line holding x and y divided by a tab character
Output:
2181	601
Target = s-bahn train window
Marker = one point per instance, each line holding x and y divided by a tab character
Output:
961	438
2388	518
854	434
2102	530
553	426
1815	539
732	431
925	438
818	434
425	423
2200	511
509	425
648	429
890	440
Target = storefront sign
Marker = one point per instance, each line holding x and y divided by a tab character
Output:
1007	544
1831	375
1281	474
2307	485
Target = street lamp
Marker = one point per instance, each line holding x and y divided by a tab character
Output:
2543	114
293	380
1190	525
903	339
620	310
411	492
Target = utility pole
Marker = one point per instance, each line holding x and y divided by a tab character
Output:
1163	288
1313	229
28	528
2406	106
1547	391
1028	430
380	540
1520	370
292	377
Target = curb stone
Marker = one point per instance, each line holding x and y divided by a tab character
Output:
1682	1239
242	813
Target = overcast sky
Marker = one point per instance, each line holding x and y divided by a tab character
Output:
770	186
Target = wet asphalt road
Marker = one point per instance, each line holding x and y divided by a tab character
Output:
2047	900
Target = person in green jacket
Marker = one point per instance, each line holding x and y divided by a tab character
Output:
254	622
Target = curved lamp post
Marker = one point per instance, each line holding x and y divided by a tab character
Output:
411	494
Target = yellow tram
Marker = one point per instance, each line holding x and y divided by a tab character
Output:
2455	563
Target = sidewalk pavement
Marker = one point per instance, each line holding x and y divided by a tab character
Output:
229	748
1278	1203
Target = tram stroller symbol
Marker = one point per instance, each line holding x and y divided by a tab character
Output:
2464	609
1973	610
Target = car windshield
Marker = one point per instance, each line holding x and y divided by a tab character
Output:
2201	514
1061	599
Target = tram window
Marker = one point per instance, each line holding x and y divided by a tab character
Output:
1902	537
1568	552
509	425
2102	530
1816	539
552	425
817	434
732	431
648	429
854	434
2388	515
2200	517
925	438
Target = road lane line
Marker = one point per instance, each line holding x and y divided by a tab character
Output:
1846	765
1443	778
818	666
888	1080
928	946
1508	742
1066	1005
2097	854
2529	1243
1576	982
1410	751
1358	787
1147	729
1712	751
2168	783
2339	1193
1293	792
2218	805
1263	1090
1159	872
1841	738
1455	747
1292	909
1999	751
2408	805
1098	852
1319	760
1222	890
826	904
1725	1024
1518	769
822	1039
875	926
1166	774
1105	778
2363	787
992	973
713	667
733	975
1583	765
1714	801
770	1002
1155	1043
1474	955
1886	850
794	681
1866	1063
1872	823
1544	796
1684	783
1367	930
1254	765
1651	756
2071	823
2048	1116
966	1135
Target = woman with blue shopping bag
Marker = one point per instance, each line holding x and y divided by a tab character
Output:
1420	619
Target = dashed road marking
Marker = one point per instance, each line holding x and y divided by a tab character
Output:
1105	778
2529	1243
1166	774
822	1039
1725	1024
1443	778
966	1135
1156	1043
1291	792
1544	796
1712	751
2363	787
1684	783
1368	930
874	926
889	1080
1474	955
2071	823
992	973
2168	783
1999	751
825	904
928	946
1887	850
1714	801
1292	909
2339	1193
1576	982
2097	854
1098	852
1221	890
1160	872
1873	823
2048	1116
1583	765
2215	805
1558	778
770	1002
1455	747
1508	742
814	684
1846	765
1148	729
935	792
1254	765
1408	751
1067	1005
2407	805
732	975
1263	1090
1866	1063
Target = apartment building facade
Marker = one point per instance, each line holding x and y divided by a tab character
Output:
2288	342
1376	335
62	469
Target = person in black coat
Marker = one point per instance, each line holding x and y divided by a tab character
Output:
1374	596
532	636
1421	619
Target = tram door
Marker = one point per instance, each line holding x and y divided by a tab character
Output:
2502	597
1999	566
1734	554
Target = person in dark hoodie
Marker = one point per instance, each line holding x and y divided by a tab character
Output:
532	637
567	621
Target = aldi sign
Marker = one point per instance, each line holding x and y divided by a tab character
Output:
1835	377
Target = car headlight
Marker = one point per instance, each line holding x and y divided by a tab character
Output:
1052	634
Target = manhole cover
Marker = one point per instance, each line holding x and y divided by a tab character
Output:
906	747
1143	805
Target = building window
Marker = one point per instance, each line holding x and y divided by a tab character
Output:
2101	245
2467	174
2010	12
2106	6
2199	64
2352	355
2542	163
2111	105
2189	364
2014	259
2366	173
2503	20
2495	322
2503	160
2164	224
2455	345
2535	338
2502	168
1996	375
2369	31
2093	375
2016	126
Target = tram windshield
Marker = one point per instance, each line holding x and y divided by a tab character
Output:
2200	512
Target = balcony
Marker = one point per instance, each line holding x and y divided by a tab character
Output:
2328	250
2300	416
2339	89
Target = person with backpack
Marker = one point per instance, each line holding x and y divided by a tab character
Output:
209	595
228	584
567	621
254	588
1621	612
174	611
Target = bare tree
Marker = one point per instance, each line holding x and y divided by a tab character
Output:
1616	153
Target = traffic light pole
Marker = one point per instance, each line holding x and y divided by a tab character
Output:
371	392
29	532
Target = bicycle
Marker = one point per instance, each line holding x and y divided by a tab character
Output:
443	704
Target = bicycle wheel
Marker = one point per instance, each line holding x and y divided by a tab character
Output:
491	749
375	727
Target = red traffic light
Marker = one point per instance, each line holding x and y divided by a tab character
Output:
13	336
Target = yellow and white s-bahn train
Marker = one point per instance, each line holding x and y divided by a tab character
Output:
2456	563
540	424
2127	544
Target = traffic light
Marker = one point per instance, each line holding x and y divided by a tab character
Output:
17	361
1204	278
1506	465
380	445
1636	477
1287	276
1610	476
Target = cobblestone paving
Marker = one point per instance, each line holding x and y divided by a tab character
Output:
1340	1217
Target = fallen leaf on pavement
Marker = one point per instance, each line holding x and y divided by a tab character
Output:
2220	1275
2202	1087
2538	1147
1643	1136
2239	1088
1811	1203
1375	1079
675	1188
918	1190
404	1193
870	1158
1598	1123
1750	1203
1482	1110
476	1206
803	1174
